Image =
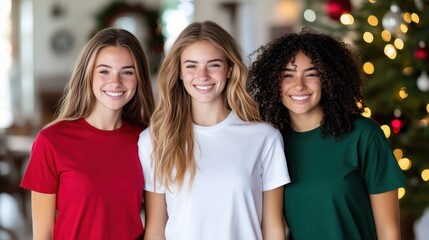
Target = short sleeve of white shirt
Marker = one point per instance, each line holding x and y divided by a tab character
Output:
274	164
145	151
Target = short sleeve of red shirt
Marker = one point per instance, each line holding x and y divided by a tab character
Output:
41	175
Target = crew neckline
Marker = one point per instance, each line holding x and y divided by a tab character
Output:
95	130
217	125
306	134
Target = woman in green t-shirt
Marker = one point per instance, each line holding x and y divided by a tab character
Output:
343	172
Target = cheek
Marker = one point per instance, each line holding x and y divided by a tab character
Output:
133	83
317	86
133	87
94	83
185	76
283	88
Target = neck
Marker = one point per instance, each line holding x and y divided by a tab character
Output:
209	115
304	123
104	122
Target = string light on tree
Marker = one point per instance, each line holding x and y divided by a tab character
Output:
386	36
368	37
425	175
415	18
399	43
309	15
405	163
368	68
347	19
390	51
372	20
423	82
386	130
403	93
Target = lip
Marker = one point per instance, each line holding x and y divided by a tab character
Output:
114	93
300	98
204	88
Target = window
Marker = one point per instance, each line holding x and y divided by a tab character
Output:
176	15
17	105
6	116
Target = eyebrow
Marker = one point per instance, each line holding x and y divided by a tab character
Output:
210	61
108	66
305	70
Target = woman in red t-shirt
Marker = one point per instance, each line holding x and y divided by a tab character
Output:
84	173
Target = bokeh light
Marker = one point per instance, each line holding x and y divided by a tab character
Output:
368	68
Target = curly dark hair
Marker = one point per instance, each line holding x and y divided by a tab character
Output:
340	73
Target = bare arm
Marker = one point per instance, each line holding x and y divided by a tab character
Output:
155	216
43	213
385	208
272	215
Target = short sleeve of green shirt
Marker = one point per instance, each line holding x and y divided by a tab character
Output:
379	166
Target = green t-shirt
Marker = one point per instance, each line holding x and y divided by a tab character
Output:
331	179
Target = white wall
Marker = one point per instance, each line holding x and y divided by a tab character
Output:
51	69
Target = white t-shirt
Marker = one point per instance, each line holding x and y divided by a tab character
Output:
236	162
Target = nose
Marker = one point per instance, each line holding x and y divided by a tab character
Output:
203	74
115	79
299	83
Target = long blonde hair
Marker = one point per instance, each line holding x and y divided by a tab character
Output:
171	124
78	100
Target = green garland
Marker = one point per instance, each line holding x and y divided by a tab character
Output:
154	42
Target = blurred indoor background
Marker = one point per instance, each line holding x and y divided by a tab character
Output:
40	39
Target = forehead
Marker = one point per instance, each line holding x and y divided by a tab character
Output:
114	51
201	50
300	59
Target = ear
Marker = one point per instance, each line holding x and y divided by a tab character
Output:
180	76
228	75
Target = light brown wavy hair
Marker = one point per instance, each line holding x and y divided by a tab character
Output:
171	123
78	100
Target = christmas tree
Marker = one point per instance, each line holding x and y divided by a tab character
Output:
393	39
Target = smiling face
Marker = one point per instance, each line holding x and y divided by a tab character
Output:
301	92
204	72
114	79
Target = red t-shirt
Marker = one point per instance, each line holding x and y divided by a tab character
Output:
96	175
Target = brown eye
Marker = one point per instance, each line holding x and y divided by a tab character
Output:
287	75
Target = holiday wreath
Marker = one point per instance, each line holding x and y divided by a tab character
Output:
154	40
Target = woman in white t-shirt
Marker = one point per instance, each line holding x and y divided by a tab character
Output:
212	169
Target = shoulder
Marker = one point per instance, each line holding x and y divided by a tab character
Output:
134	129
145	137
60	127
55	133
367	128
266	128
145	146
364	124
263	131
145	133
256	127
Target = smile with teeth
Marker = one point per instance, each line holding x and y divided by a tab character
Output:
114	94
300	98
204	87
